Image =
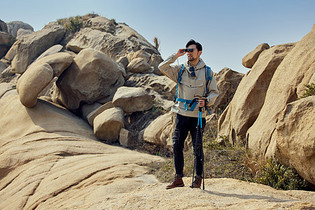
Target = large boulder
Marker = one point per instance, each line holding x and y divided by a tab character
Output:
139	65
249	97
132	99
14	26
250	59
296	69
52	50
160	130
161	87
227	81
107	125
58	61
295	137
30	47
6	41
92	76
32	82
114	39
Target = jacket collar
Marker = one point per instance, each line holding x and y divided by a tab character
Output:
199	66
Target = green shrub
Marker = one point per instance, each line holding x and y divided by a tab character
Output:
75	24
309	90
279	176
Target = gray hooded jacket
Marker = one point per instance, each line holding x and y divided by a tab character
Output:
190	86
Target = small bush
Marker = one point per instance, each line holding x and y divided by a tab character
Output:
279	176
309	90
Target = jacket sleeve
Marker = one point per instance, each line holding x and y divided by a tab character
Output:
213	91
168	70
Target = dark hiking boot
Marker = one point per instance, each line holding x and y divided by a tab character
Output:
178	182
197	182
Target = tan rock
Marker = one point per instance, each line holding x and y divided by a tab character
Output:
92	76
28	48
47	152
160	131
32	82
140	54
249	97
5	87
126	138
227	81
52	50
250	59
107	125
281	91
155	60
139	65
132	99
87	109
295	137
91	116
23	32
58	62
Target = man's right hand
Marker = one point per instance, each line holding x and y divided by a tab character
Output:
179	53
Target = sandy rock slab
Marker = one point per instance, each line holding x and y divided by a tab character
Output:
46	152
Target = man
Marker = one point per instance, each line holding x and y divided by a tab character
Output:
192	83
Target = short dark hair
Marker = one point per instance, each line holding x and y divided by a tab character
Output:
198	45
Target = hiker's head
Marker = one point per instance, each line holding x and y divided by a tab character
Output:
197	50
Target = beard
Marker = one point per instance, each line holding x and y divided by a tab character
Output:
191	58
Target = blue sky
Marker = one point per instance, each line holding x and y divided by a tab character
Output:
227	29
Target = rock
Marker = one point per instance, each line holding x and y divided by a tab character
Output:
6	42
155	60
3	66
139	54
227	81
114	39
87	109
124	61
132	99
107	125
11	53
8	76
126	138
139	65
14	26
3	26
23	32
295	137
249	97
161	87
91	116
52	50
92	76
58	62
10	93
5	87
298	64
160	131
48	153
32	82
250	59
28	48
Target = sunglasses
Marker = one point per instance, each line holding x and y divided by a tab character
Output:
188	50
192	72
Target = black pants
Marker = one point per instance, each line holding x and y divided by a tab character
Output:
184	124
